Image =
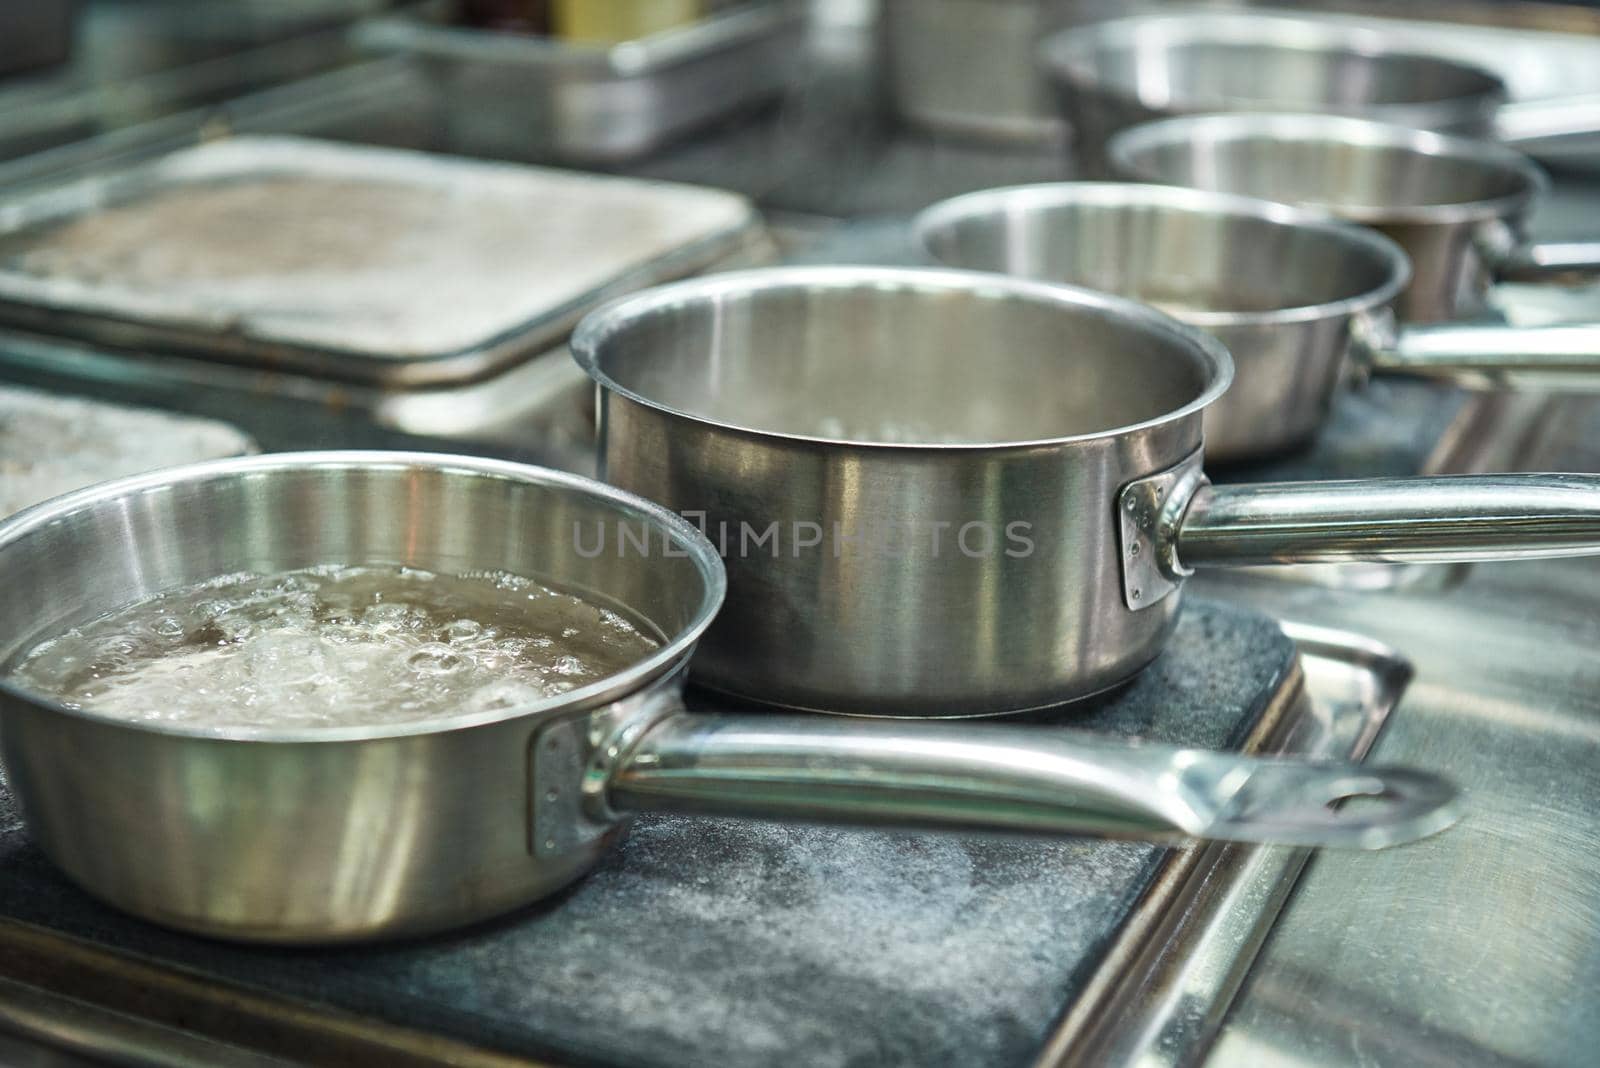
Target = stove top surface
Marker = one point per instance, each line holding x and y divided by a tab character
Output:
737	943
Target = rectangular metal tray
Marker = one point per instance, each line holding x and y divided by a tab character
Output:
967	68
538	98
344	262
127	75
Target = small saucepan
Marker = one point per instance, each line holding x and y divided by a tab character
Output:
1458	206
339	833
950	493
1116	73
1292	294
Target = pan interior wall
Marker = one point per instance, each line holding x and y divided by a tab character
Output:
1202	74
905	364
1182	260
1337	175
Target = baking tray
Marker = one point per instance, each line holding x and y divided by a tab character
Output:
529	97
118	80
51	445
801	945
343	262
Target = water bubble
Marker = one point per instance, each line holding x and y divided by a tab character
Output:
436	659
332	646
119	646
501	695
463	630
569	665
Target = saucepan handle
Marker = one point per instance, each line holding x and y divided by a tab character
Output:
1391	520
1038	780
1564	358
1525	122
1550	261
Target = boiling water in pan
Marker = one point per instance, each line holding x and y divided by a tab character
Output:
334	646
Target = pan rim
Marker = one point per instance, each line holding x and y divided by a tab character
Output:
1071	57
633	679
1185	198
1124	148
1209	354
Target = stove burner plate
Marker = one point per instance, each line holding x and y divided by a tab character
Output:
732	942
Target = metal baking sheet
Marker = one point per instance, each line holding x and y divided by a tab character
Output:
529	97
347	262
51	445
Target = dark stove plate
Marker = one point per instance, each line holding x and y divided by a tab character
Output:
729	942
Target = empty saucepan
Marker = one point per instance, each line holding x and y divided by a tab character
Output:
1458	206
949	493
1290	292
333	833
1114	74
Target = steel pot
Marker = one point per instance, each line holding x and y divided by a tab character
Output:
1458	206
960	67
948	493
1117	73
1291	293
311	835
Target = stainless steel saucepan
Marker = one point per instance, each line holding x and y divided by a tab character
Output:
1290	292
949	493
1458	206
1116	73
310	835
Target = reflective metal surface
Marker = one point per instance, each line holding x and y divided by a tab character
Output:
1480	949
347	832
832	402
1484	953
588	103
1547	54
1557	358
366	265
1170	1003
1024	779
1435	520
1457	206
1111	75
44	1030
1166	974
1279	288
833	431
965	67
331	834
1290	294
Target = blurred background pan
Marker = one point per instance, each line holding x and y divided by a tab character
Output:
1458	206
1288	291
